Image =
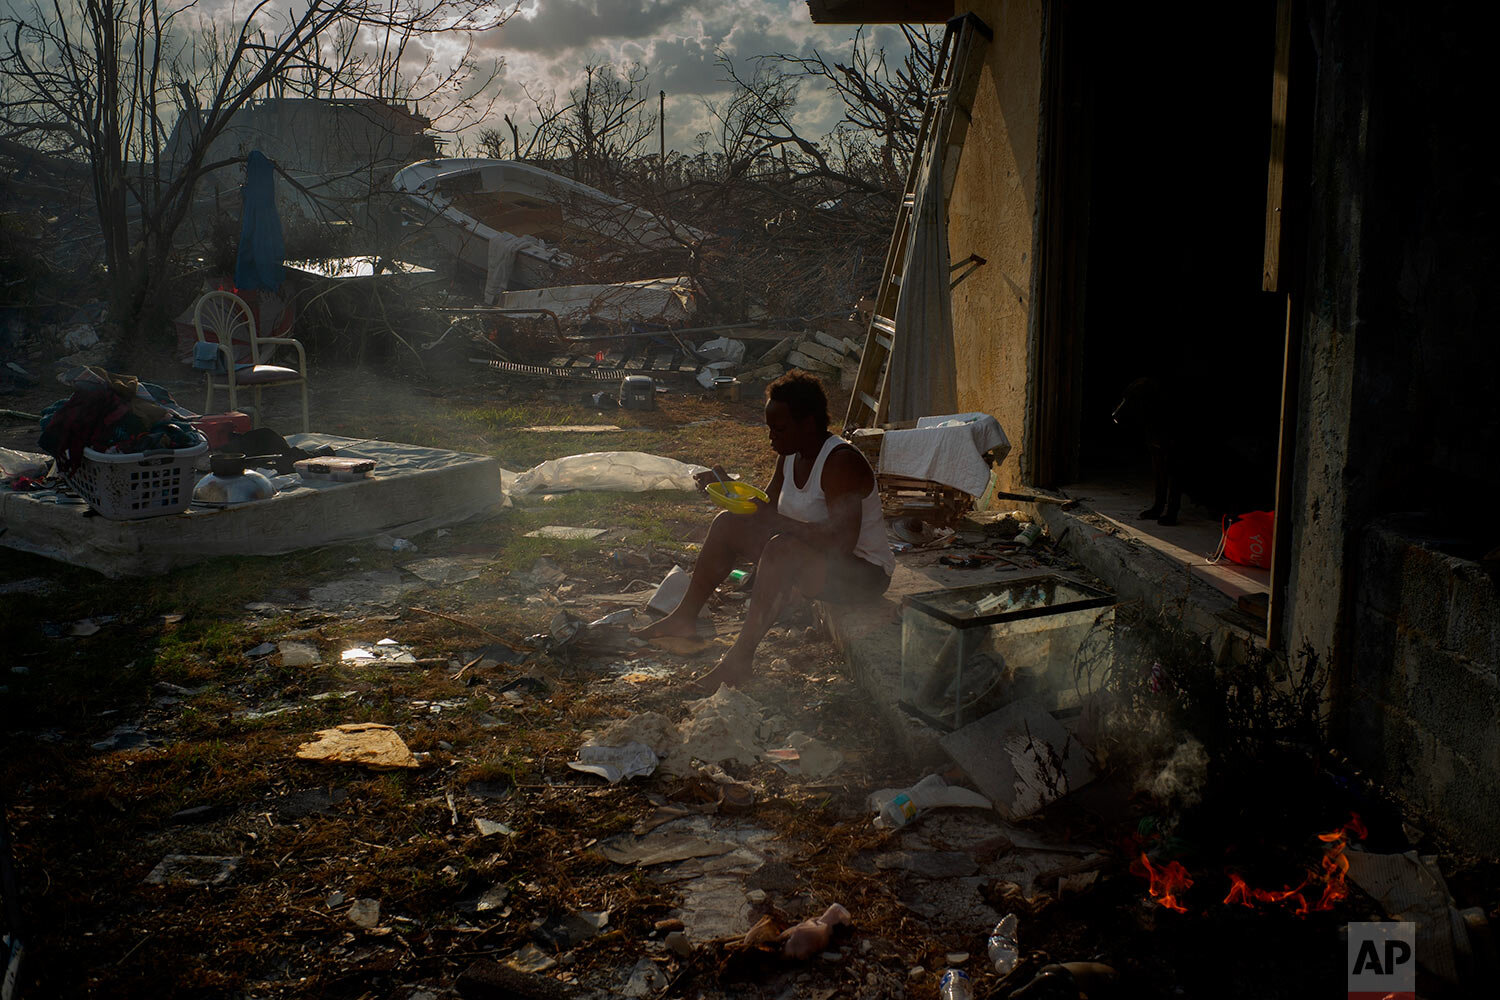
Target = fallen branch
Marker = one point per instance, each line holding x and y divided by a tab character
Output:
476	627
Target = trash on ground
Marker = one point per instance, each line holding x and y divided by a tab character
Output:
812	936
1409	887
670	591
898	806
622	617
368	743
659	848
1003	949
543	573
299	654
386	650
566	533
614	471
193	869
1021	757
803	755
446	569
365	913
264	649
616	764
644	980
491	828
725	726
530	958
571	930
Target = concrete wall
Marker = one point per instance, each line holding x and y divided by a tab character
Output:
1399	374
1424	694
993	214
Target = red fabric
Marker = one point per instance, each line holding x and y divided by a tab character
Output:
1247	538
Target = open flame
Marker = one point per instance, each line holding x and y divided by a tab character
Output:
1320	889
1327	880
1166	881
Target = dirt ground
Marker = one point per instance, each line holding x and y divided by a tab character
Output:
161	718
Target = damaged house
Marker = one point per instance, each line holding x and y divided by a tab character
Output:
1274	212
338	150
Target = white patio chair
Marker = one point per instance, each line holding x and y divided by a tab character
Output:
229	318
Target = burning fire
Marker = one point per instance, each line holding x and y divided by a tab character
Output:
1166	881
1325	885
1327	880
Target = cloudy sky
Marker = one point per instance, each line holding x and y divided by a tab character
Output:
546	45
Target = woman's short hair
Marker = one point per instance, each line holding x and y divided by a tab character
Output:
803	394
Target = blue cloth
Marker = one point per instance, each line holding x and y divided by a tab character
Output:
261	248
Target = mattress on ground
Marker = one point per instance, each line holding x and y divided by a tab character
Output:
413	490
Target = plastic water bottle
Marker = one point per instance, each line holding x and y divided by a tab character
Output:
900	811
955	985
1003	950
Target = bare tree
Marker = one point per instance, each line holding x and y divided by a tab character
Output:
108	81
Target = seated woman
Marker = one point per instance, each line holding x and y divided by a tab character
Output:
821	532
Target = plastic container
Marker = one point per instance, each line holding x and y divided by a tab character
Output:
1029	533
334	469
932	792
1003	950
736	497
130	486
955	985
218	428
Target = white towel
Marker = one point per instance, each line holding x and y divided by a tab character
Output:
947	450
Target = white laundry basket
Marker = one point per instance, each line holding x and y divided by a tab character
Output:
127	486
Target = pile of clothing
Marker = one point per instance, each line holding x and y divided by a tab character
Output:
113	413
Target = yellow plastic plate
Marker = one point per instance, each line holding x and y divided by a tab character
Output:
736	497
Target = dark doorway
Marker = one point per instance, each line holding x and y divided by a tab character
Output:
1164	225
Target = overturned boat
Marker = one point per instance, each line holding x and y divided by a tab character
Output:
522	225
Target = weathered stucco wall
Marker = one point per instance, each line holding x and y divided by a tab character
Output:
992	213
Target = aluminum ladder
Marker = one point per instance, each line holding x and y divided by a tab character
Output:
945	125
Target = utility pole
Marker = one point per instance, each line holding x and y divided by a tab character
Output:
663	134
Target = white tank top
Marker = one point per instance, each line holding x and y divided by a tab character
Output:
809	506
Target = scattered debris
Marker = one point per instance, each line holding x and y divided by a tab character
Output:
530	958
193	869
805	756
812	936
670	591
645	979
299	654
1021	757
264	649
615	764
566	533
659	848
930	864
446	570
365	913
898	806
491	828
368	743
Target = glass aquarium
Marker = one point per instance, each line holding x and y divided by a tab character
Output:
970	650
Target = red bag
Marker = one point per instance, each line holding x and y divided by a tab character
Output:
1247	538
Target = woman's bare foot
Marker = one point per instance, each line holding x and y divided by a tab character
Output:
734	669
677	624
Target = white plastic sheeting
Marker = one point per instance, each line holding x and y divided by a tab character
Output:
618	471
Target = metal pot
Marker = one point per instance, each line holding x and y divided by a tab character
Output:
727	388
227	486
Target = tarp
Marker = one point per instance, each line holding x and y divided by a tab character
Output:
924	375
261	248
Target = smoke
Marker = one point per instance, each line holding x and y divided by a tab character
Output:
1179	783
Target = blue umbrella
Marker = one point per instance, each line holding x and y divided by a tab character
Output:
261	249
